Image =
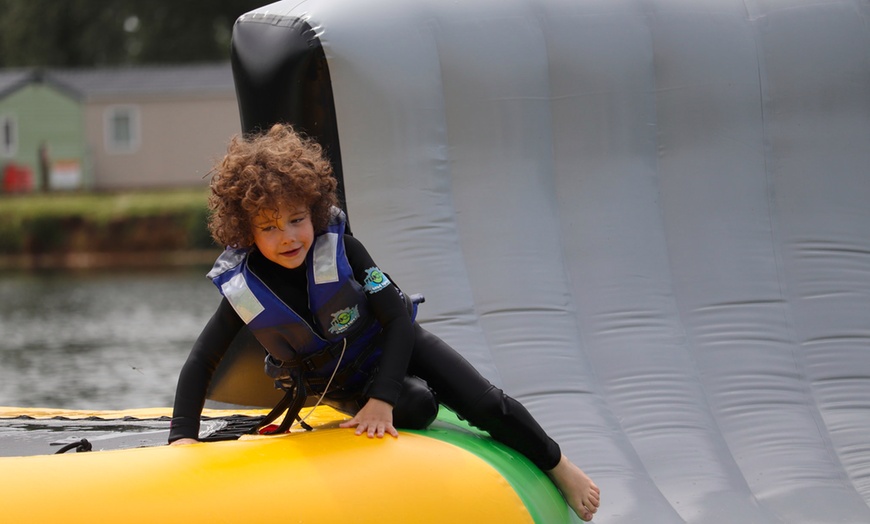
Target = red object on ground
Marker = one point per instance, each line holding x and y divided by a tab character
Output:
17	179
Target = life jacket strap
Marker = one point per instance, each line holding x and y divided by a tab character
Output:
292	402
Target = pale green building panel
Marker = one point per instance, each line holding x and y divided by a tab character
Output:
47	115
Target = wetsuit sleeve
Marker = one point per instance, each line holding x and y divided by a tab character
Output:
196	374
396	339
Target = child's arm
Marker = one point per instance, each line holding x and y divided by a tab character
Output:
207	352
397	334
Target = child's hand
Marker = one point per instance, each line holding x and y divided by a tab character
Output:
376	418
183	442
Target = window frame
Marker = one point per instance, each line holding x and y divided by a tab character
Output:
110	125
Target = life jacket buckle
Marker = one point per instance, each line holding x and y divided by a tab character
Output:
275	368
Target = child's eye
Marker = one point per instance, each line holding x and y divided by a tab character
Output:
298	220
266	229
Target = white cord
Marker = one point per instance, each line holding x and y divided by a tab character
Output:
328	383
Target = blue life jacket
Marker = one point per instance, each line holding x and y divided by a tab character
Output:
338	304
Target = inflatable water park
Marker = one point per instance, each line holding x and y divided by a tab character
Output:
647	221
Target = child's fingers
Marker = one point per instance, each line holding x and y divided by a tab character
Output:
349	423
374	430
371	429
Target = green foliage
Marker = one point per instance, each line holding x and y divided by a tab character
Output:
11	235
196	223
49	223
101	207
43	233
87	33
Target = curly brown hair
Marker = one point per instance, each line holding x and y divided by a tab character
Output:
262	172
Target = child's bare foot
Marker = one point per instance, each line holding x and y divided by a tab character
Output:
578	489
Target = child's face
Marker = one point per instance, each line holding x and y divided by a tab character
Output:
284	238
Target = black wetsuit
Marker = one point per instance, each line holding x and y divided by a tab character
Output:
454	381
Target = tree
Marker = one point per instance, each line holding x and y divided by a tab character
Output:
86	33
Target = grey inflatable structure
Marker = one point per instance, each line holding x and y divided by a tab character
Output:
647	220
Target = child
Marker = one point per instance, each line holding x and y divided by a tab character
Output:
331	320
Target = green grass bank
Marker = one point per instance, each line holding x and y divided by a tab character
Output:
82	230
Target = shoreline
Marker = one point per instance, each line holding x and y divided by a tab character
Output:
109	260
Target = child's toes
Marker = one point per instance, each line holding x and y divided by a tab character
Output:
593	501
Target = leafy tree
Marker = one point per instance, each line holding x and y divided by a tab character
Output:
81	33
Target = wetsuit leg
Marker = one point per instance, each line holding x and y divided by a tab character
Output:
416	407
459	386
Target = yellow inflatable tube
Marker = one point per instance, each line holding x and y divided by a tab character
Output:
327	475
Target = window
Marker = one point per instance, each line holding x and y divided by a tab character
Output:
122	129
8	136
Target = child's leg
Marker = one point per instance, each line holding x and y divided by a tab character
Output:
463	389
459	386
416	407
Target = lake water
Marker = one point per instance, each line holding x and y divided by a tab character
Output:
99	339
